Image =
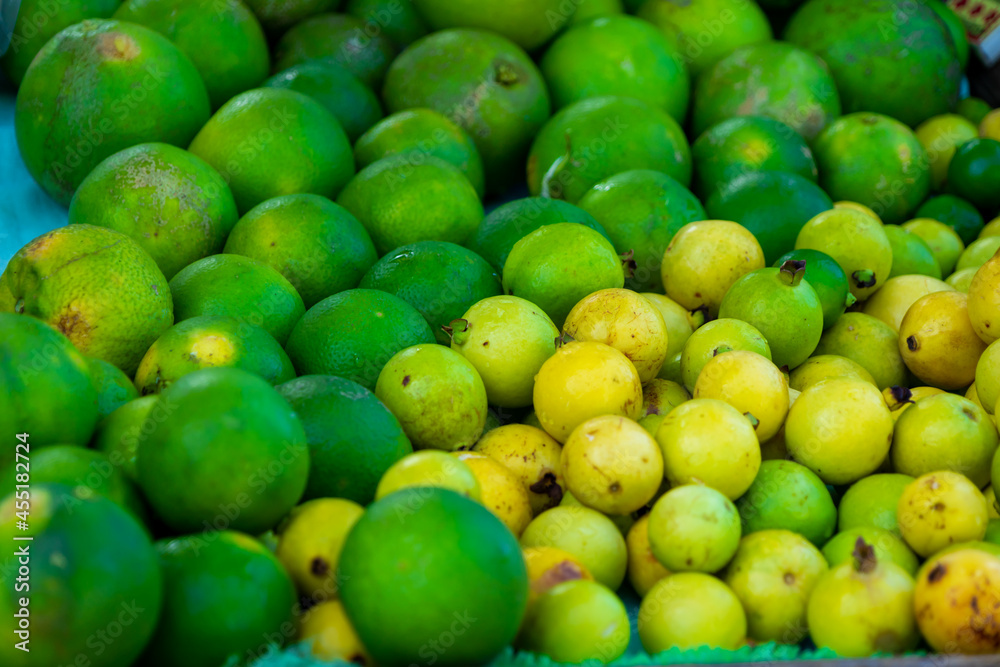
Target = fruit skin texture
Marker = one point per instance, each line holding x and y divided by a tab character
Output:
984	300
96	286
715	338
773	574
226	424
861	42
47	389
644	570
529	23
869	342
910	254
972	173
840	429
327	628
694	528
896	295
939	509
872	501
688	610
89	76
942	135
888	547
277	15
436	394
434	549
501	491
937	340
751	384
447	70
857	242
822	366
955	212
944	242
584	380
956	601
301	139
531	454
310	540
549	566
114	388
79	538
341	39
430	468
788	496
585	533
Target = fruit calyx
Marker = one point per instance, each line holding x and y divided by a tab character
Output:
458	331
791	272
563	339
628	263
863	278
864	557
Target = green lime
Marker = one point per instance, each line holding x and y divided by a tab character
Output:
888	546
343	94
528	23
557	265
773	79
827	279
974	109
91	92
225	596
278	15
119	434
114	388
890	175
617	55
955	212
787	495
412	197
226	45
441	280
594	139
353	438
47	388
641	211
450	557
210	341
485	84
910	254
352	334
972	174
317	245
773	205
872	501
744	144
945	243
715	338
399	21
871	343
343	40
424	132
509	223
306	149
230	454
95	588
861	43
172	203
239	287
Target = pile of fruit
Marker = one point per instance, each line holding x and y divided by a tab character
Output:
728	377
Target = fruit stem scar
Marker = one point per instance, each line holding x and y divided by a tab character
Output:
864	556
912	343
791	272
863	278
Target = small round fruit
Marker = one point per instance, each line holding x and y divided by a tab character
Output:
430	468
690	610
715	338
788	496
940	137
977	253
872	501
750	383
500	490
531	454
827	279
988	377
823	366
972	173
941	508
310	540
328	632
588	535
659	397
889	548
955	212
937	340
871	343
895	297
984	300
694	528
945	243
549	566
956	602
680	322
911	256
644	570
858	243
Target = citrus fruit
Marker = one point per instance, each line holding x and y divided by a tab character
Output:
48	392
938	342
305	147
114	388
972	174
339	38
317	245
773	574
694	528
773	79
627	322
891	176
840	429
77	536
856	241
277	15
501	491
940	136
96	286
328	631
644	570
862	43
424	132
436	394
787	495
224	595
240	287
772	205
707	441
585	379
978	253
208	341
430	468
944	242
890	303
955	212
745	144
911	256
588	535
941	508
956	601
888	547
750	383
557	265
715	338
351	102
353	438
226	46
974	109
616	55
509	223
689	610
399	21
822	366
642	210
452	558
99	87
310	540
863	606
531	454
119	434
705	31
174	205
231	454
401	199
594	139
506	339
441	280
485	84
577	621
872	501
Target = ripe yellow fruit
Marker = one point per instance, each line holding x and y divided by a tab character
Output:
984	300
548	566
643	568
533	456
988	377
659	397
750	383
332	637
939	509
310	540
855	206
937	341
680	322
891	302
501	491
957	601
823	366
429	468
